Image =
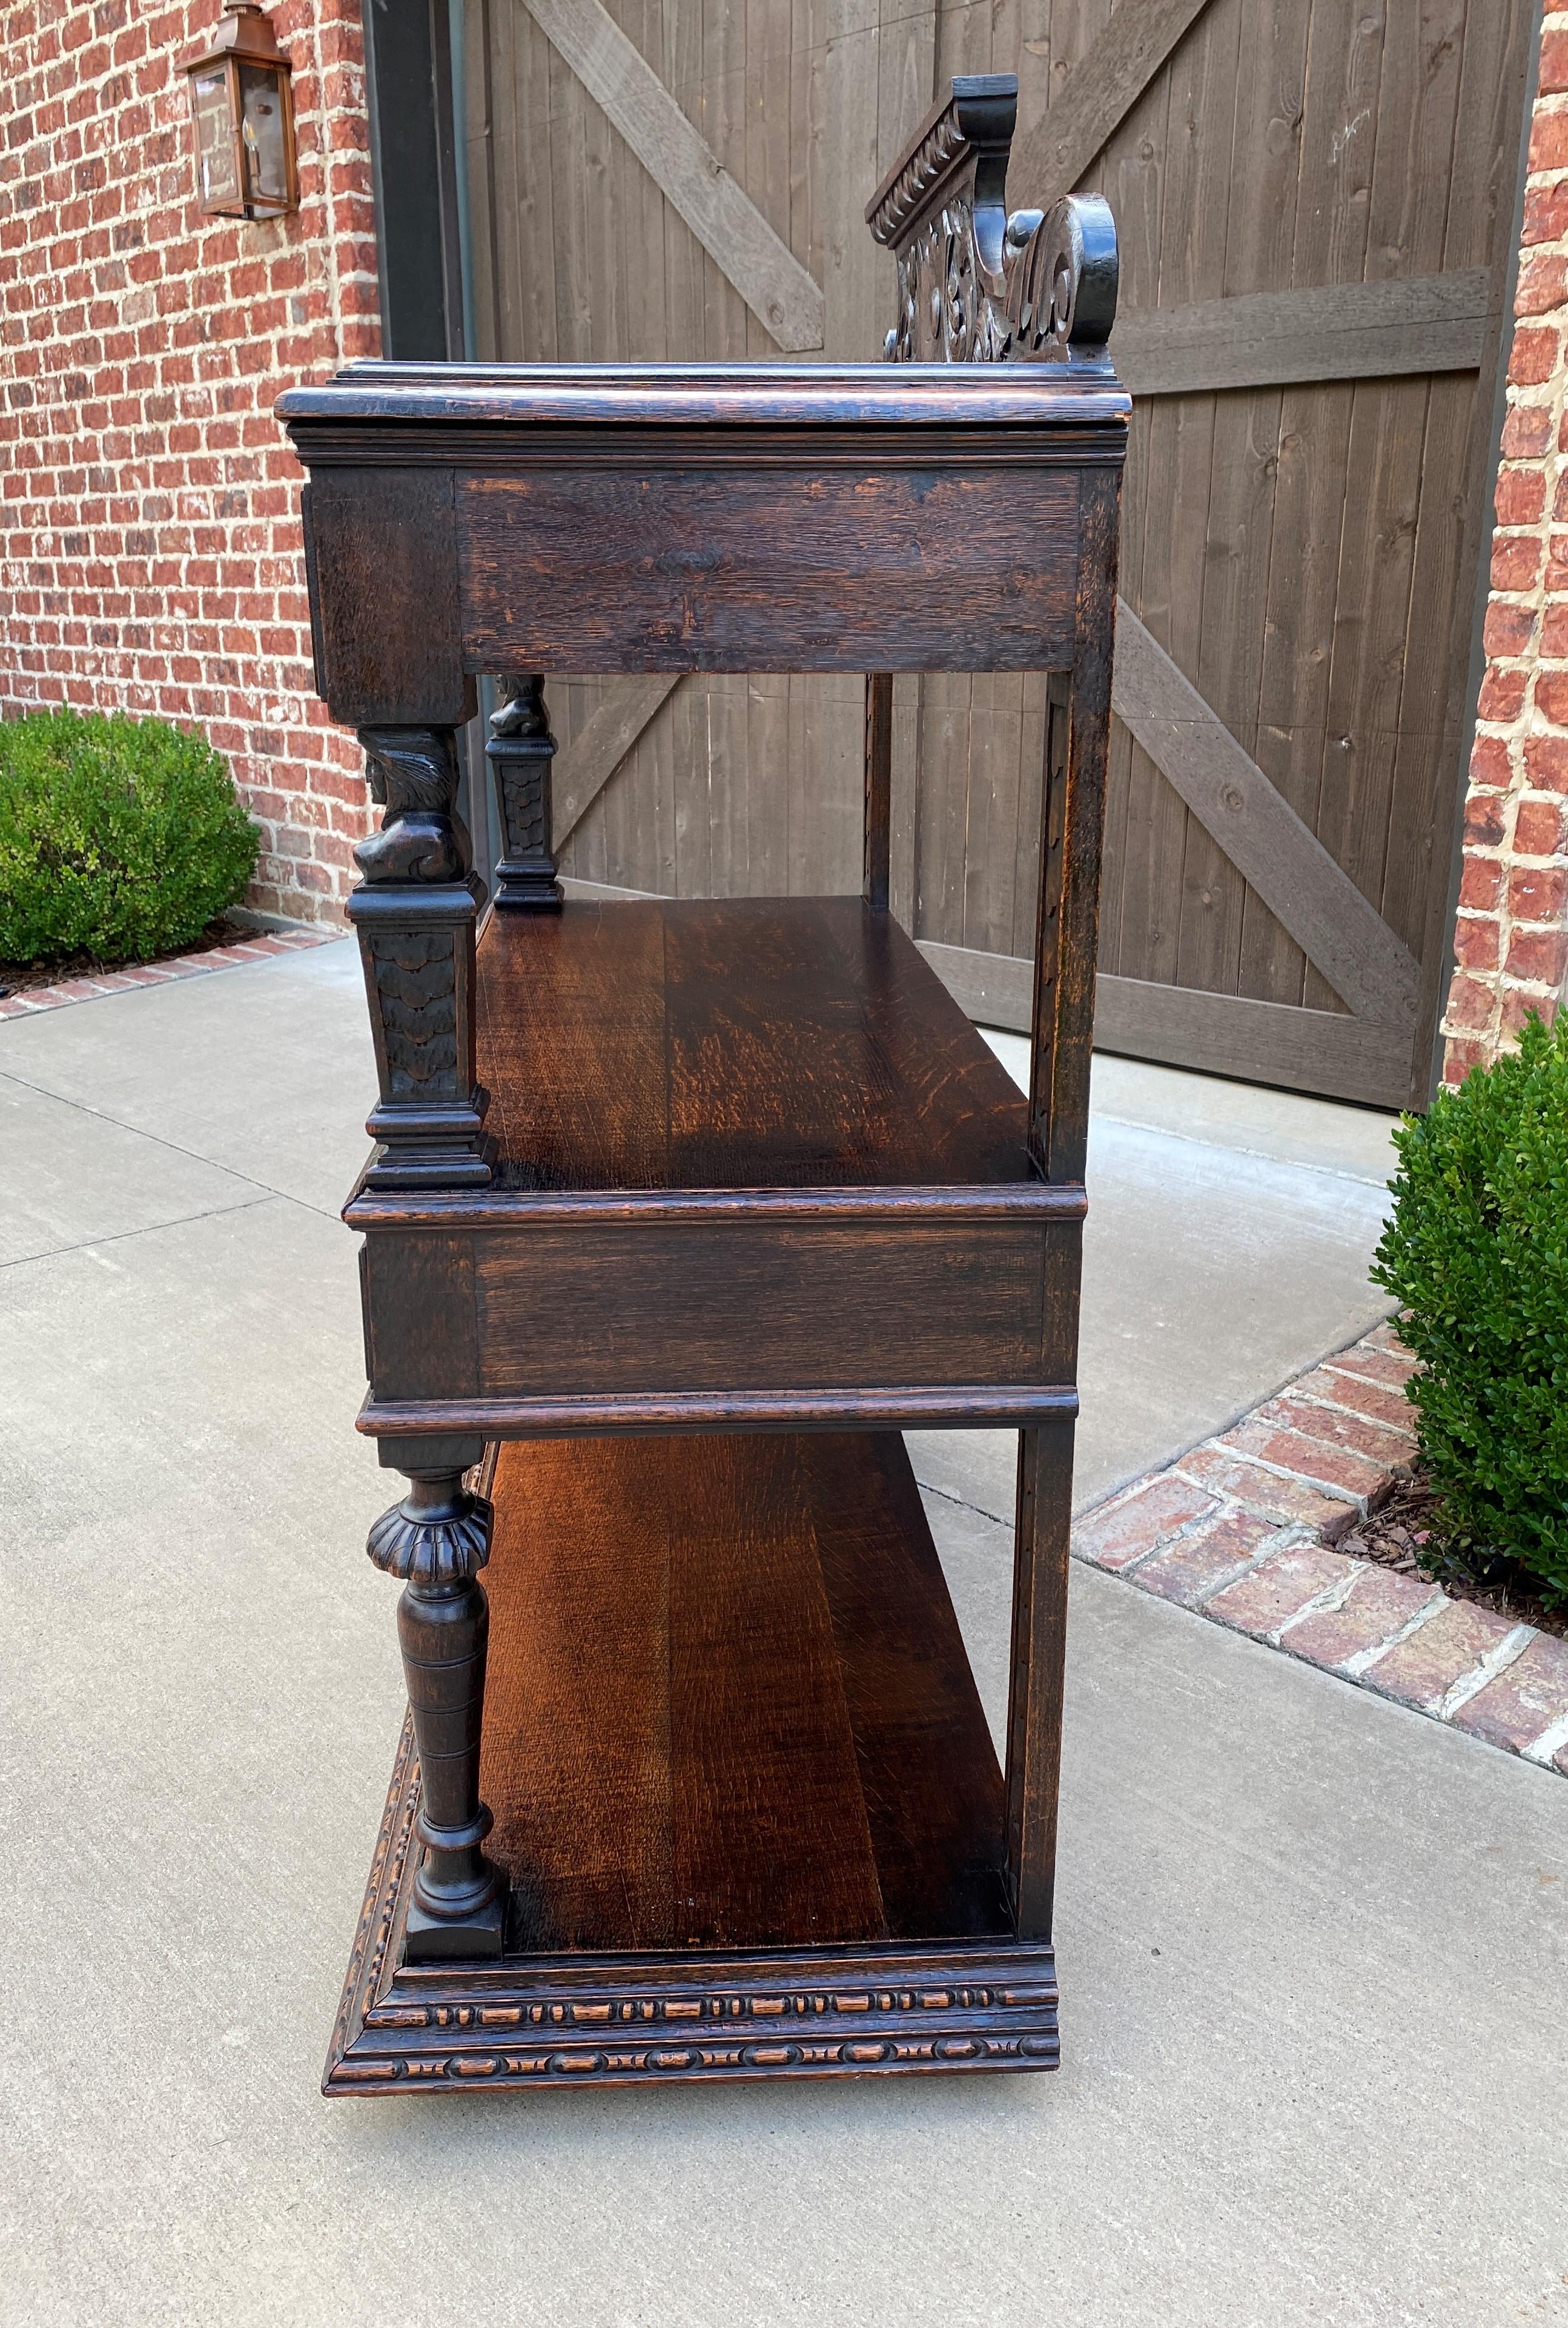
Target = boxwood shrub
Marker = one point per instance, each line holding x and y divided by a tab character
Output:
1477	1252
120	839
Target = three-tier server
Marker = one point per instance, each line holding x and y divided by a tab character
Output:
680	1211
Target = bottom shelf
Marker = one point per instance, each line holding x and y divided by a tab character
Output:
742	1788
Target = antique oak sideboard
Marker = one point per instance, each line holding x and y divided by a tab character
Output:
678	1211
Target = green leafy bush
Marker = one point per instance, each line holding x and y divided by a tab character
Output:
1477	1252
119	837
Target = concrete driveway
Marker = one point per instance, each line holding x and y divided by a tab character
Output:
1312	1948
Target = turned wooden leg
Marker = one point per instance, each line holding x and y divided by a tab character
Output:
521	750
438	1539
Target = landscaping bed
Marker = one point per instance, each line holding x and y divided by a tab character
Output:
1404	1534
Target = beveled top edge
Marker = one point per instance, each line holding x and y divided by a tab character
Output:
1025	395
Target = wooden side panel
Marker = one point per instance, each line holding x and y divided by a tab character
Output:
918	569
738	1307
421	1329
383	560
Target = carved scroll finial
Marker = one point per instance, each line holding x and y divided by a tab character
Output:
975	285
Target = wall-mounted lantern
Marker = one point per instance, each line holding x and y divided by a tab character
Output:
244	115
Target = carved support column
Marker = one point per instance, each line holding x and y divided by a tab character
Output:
416	916
521	750
438	1539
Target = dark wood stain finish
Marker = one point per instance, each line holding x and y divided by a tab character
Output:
681	1206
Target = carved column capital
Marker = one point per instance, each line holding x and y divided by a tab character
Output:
438	1534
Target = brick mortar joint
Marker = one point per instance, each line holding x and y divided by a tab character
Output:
1548	1747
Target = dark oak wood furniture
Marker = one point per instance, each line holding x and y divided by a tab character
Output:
678	1211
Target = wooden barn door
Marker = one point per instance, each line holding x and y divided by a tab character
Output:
1316	204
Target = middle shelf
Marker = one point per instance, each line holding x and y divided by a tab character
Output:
755	1169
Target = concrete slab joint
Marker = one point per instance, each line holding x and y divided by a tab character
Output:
1243	1529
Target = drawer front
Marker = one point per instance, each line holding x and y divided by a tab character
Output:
464	1319
746	1307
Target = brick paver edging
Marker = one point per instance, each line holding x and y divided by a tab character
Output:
264	946
1242	1530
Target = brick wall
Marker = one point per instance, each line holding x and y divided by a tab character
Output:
1511	936
150	551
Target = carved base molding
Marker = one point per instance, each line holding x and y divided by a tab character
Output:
925	2006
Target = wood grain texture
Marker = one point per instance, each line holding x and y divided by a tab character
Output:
1343	330
668	571
1052	155
746	1043
721	215
698	1647
376	539
602	744
1260	834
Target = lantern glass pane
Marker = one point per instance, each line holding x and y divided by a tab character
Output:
214	139
261	133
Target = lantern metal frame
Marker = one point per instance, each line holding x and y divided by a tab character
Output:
244	39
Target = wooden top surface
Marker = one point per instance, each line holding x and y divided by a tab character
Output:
727	1702
747	1043
402	397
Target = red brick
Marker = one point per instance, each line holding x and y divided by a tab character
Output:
1478	943
1546	763
1552	696
1481	884
1553	73
1540	285
1195	1565
1515	561
1485	818
1421	1671
1268	1495
116	298
1508	629
1381	1442
1546	213
1540	828
1118	1532
1538	893
1538	956
1502	694
1519	498
1519	1006
1279	1588
1525	1700
1526	432
1534	355
1379	1604
1376	1364
1308	1459
1369	1398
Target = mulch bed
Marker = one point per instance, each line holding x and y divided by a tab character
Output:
16	978
1404	1534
